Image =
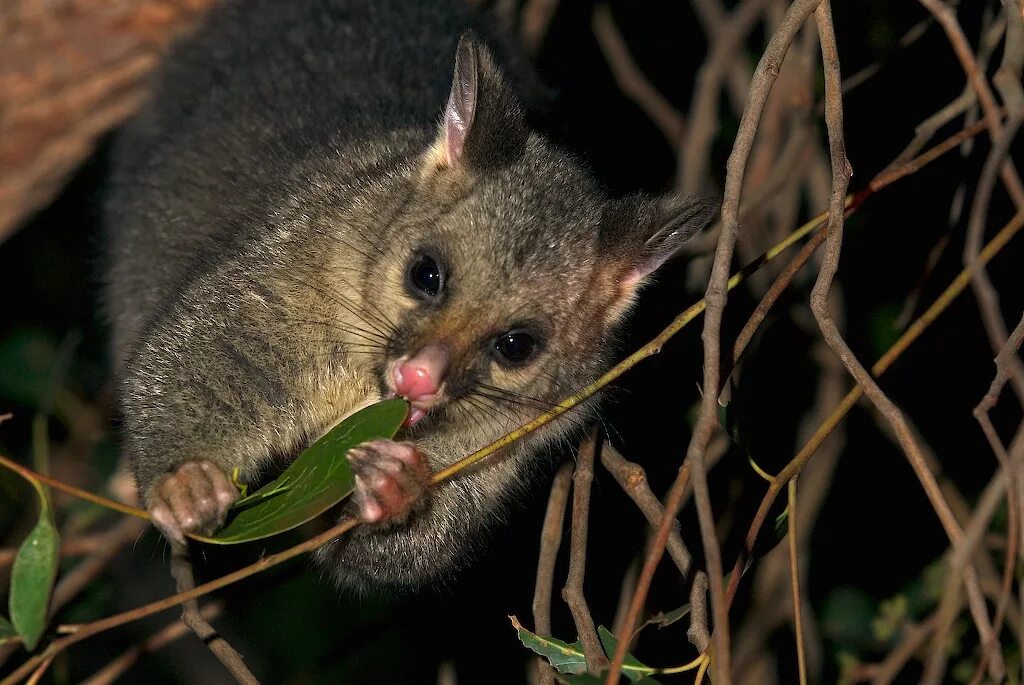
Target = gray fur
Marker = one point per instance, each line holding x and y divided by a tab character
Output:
264	208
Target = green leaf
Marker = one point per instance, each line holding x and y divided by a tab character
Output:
664	619
7	631
563	657
631	667
589	679
32	576
317	480
569	658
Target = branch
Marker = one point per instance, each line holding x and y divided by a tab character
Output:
550	541
841	172
181	571
633	480
572	593
631	79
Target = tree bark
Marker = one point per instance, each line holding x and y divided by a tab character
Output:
70	70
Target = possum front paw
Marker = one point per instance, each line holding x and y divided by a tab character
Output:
391	480
193	499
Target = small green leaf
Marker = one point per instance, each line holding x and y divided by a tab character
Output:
781	525
631	667
317	480
563	657
7	631
569	658
664	619
32	576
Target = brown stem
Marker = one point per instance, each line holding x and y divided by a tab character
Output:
184	578
633	480
550	541
572	593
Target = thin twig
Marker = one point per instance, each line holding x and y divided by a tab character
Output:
681	483
914	636
1009	74
632	81
913	332
794	570
184	579
949	607
981	413
79	546
698	633
841	172
633	480
572	593
703	117
102	625
715	296
550	541
946	17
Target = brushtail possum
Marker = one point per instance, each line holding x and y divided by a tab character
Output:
330	201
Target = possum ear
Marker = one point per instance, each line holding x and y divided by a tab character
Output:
483	122
460	111
643	233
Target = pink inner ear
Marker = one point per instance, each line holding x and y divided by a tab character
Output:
454	136
461	107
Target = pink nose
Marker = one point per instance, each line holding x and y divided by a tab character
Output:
419	377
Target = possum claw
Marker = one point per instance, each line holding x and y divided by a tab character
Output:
195	498
391	480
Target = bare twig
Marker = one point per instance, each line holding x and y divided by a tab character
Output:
946	16
534	21
715	296
572	593
703	118
632	81
794	570
772	606
698	633
1008	75
958	564
550	541
841	172
914	636
633	480
181	570
79	578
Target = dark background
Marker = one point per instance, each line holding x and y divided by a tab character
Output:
876	535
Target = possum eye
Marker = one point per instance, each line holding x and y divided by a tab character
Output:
515	347
425	276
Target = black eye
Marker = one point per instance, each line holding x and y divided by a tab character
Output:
515	346
425	276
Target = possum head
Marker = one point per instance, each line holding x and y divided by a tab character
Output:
514	266
496	289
